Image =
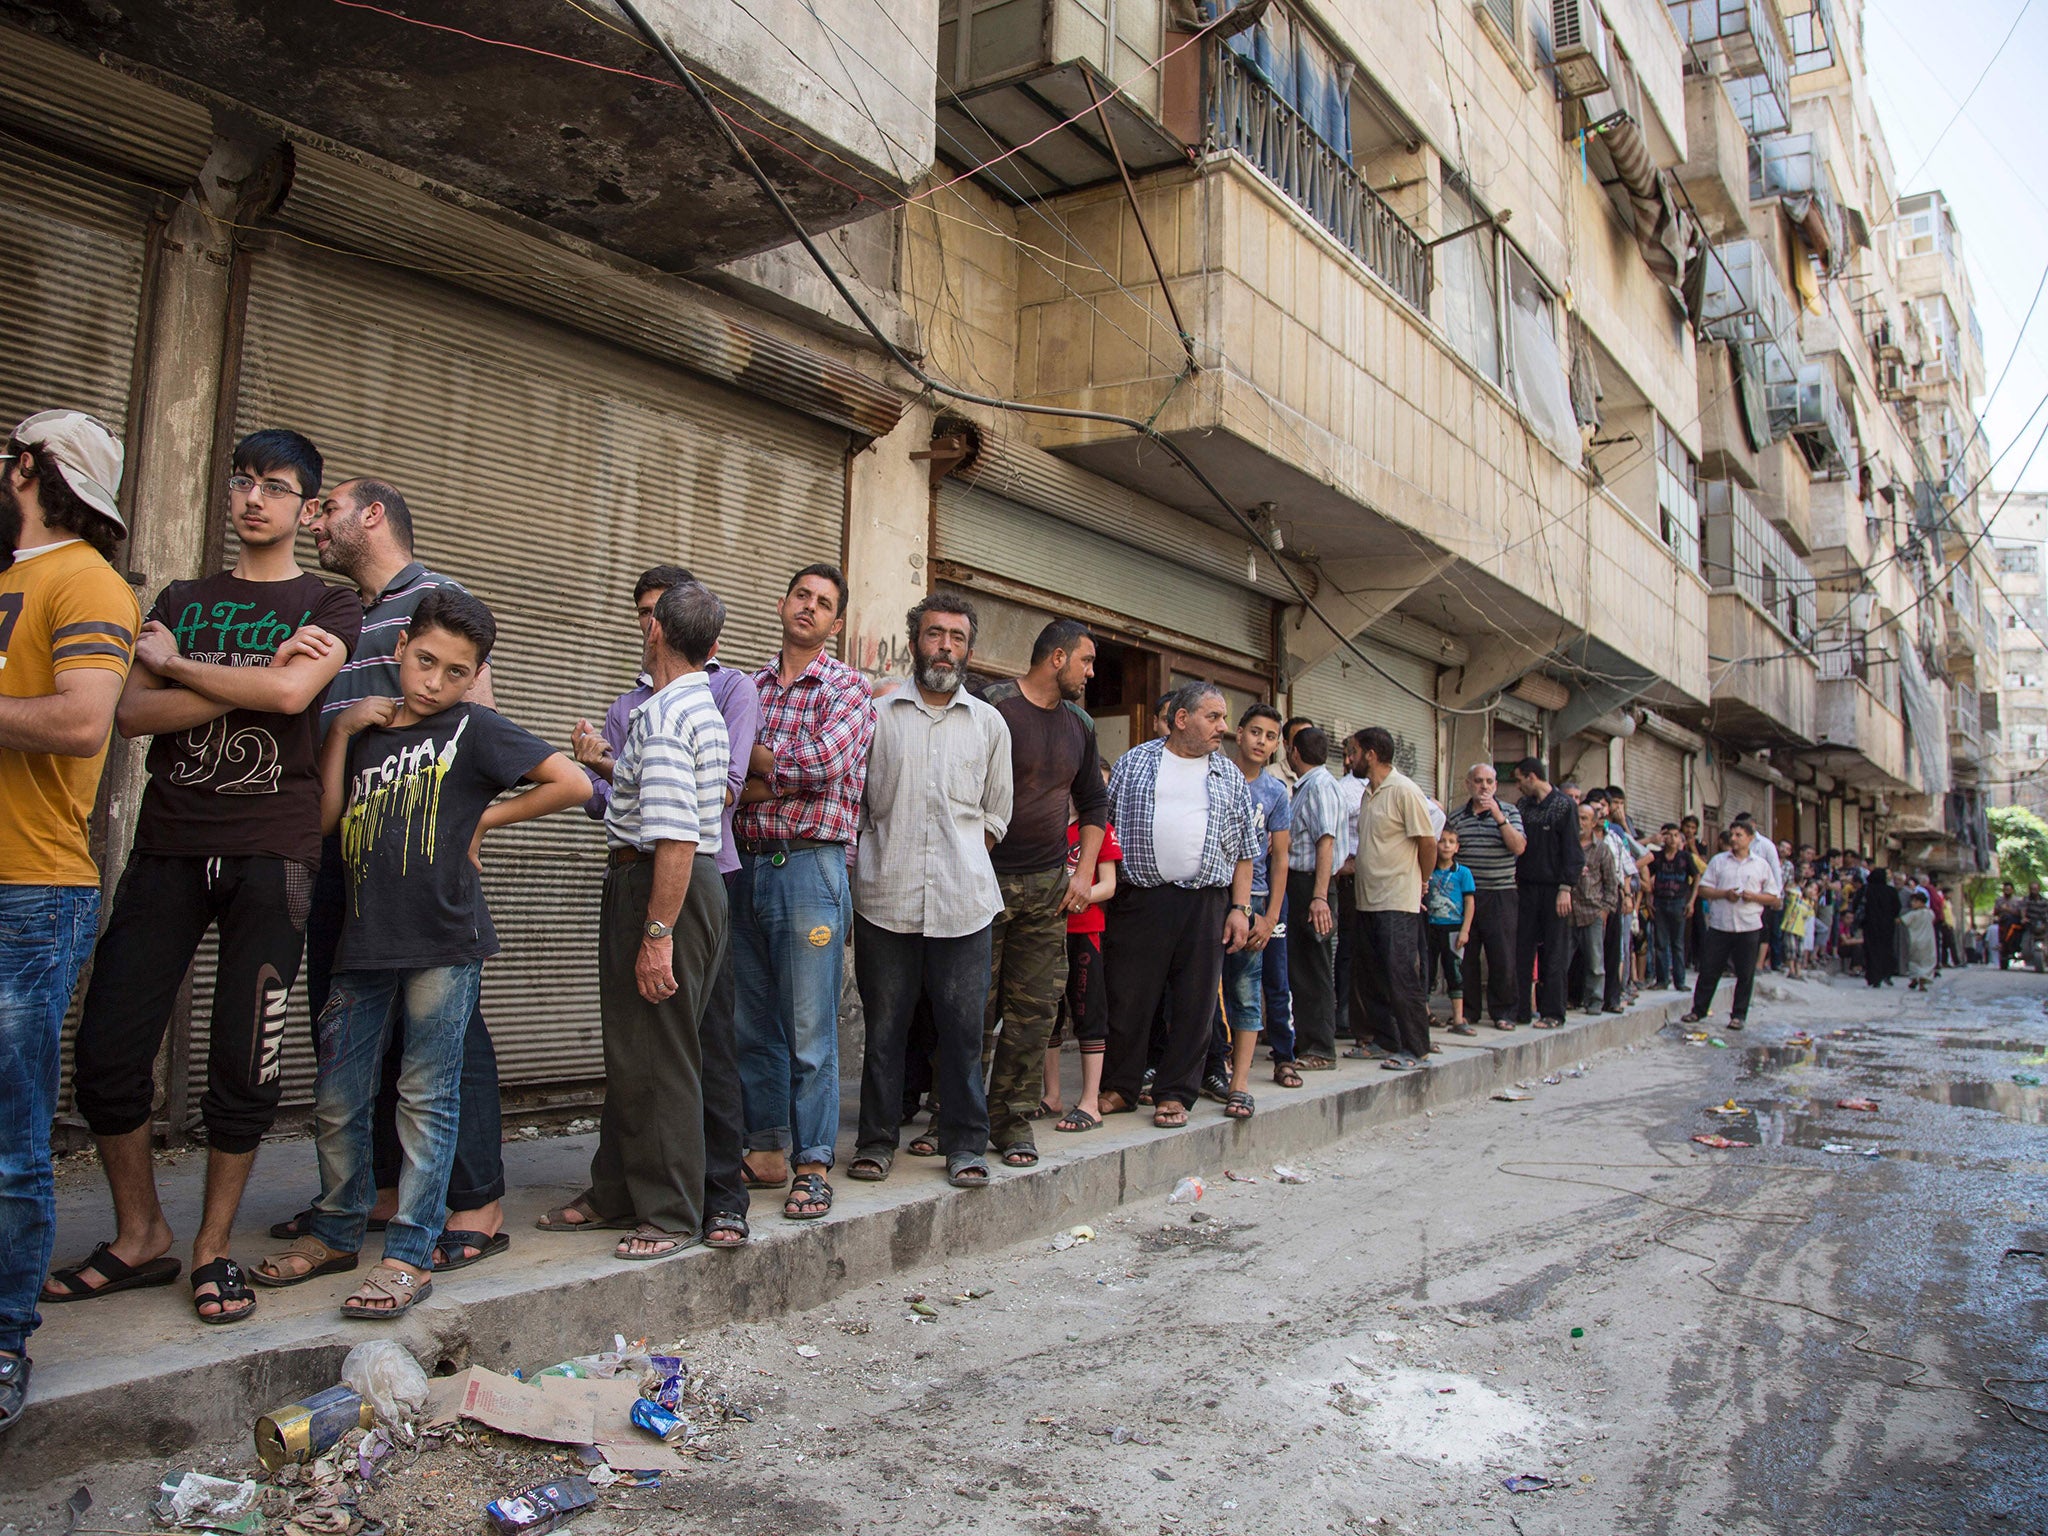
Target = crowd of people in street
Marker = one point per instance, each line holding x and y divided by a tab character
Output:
326	761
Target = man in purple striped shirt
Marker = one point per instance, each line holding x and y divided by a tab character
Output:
725	1190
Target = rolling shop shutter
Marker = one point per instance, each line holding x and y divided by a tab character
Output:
544	471
1656	783
980	532
1739	793
1342	695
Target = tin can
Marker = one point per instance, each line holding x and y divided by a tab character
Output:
302	1431
657	1420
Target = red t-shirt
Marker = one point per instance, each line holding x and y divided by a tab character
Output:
1112	853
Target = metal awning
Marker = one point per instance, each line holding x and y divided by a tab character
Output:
979	126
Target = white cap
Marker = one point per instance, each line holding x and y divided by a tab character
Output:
87	455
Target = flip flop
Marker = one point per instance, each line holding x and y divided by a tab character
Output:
487	1245
119	1276
1078	1119
677	1242
1044	1111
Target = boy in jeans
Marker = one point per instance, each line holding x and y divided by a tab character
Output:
410	783
1451	899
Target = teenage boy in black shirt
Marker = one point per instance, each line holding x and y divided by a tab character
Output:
411	784
228	836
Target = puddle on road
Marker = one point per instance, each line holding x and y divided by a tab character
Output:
1977	1043
2015	1101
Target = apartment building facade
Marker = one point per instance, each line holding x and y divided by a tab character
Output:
2019	747
1551	359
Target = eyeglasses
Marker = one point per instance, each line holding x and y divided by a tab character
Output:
277	490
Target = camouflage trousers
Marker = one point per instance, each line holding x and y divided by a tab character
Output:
1027	977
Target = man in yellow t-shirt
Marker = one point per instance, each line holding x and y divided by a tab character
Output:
67	632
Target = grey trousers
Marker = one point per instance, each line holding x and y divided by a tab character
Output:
649	1164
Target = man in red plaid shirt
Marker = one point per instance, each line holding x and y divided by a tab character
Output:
798	819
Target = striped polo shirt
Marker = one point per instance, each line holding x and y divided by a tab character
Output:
371	671
668	782
1481	848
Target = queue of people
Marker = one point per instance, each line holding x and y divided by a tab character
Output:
326	764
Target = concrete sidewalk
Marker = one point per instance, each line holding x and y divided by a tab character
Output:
136	1376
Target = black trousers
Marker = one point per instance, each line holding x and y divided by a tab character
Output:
894	971
479	1175
1667	948
1388	993
1722	951
1162	942
1490	955
725	1119
1610	960
1540	935
162	909
1443	961
1311	970
1346	940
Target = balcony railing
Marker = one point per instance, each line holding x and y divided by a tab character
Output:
1746	302
1966	717
1846	659
1810	407
1246	115
1746	554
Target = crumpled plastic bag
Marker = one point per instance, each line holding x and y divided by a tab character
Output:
199	1501
385	1375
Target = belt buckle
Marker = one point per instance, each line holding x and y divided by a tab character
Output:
778	858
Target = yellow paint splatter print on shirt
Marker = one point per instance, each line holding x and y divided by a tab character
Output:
404	786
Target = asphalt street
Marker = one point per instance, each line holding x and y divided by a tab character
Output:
1791	1335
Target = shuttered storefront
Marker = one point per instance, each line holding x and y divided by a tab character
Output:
1342	694
1655	782
72	243
1739	793
980	533
545	471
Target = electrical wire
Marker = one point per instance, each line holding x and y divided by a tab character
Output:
1145	429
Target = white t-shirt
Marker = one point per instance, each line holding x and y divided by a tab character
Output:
1725	872
1180	816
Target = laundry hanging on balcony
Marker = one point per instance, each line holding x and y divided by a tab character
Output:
1926	721
1660	225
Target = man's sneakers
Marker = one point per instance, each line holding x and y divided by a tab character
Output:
1216	1086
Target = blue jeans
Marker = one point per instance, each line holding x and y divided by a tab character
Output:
789	925
46	932
432	1006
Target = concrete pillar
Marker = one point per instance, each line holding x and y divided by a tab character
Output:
177	428
888	555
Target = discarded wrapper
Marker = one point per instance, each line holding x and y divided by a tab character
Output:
1868	1106
541	1509
1514	1095
659	1422
210	1503
1287	1175
1720	1142
1849	1149
1526	1482
1729	1108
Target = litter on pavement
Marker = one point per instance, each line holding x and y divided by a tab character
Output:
1868	1106
1526	1482
1187	1191
1719	1142
1849	1149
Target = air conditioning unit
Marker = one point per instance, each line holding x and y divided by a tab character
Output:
1584	52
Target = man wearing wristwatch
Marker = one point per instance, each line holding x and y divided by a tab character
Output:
662	940
1184	814
1312	942
1490	839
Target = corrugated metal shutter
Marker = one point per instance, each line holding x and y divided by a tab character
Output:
1655	783
71	269
1739	793
71	260
992	534
1342	695
545	471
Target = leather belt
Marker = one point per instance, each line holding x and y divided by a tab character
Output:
783	845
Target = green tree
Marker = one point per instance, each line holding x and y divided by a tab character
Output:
2021	839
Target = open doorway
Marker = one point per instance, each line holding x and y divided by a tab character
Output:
1121	695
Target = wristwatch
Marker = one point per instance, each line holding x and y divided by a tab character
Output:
658	930
1248	910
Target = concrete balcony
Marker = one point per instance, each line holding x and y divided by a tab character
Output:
1784	493
628	166
1763	697
1859	738
1727	439
1389	461
1841	532
1716	170
1966	748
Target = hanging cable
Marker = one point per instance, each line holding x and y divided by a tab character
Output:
746	161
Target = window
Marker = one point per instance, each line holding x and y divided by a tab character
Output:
1502	13
1678	497
1469	288
1917	234
1534	358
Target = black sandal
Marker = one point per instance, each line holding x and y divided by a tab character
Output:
1021	1155
925	1144
119	1276
229	1285
298	1226
15	1371
879	1162
481	1246
1286	1074
808	1189
722	1229
1078	1119
1238	1106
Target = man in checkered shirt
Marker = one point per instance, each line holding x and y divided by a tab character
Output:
799	816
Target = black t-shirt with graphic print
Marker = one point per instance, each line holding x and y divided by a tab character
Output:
414	798
248	782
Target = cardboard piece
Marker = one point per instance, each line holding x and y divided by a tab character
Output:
558	1409
609	1406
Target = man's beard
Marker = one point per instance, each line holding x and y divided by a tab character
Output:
938	677
10	524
